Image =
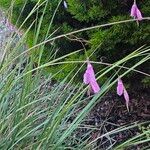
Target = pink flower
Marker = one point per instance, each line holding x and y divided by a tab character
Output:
89	78
135	12
120	87
122	91
126	97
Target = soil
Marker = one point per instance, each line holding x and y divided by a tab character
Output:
111	113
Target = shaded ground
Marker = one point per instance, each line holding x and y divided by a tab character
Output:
111	113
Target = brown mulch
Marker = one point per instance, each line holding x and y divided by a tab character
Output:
111	113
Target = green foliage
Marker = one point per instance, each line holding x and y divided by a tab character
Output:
114	42
35	113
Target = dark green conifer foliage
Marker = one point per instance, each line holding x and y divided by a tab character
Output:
114	42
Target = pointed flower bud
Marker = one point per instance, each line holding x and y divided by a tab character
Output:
122	91
89	78
135	12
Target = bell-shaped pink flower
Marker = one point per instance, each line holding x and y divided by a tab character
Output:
120	87
122	91
135	12
89	78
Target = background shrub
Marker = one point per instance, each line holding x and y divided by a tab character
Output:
114	42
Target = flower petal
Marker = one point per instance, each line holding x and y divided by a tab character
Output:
89	74
90	70
120	87
89	78
86	78
95	87
139	15
126	97
133	10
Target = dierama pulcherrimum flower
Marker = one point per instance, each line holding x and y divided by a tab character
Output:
65	4
122	91
135	12
89	78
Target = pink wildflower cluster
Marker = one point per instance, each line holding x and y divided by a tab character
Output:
90	79
89	75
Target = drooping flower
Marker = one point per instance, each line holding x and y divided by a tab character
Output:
126	97
89	78
122	91
120	87
65	4
135	12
